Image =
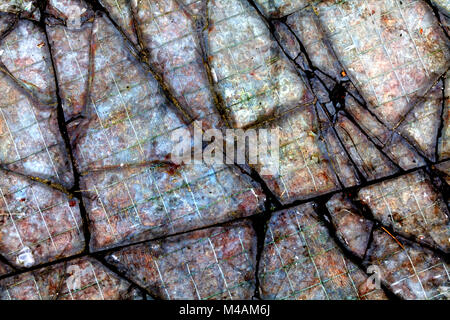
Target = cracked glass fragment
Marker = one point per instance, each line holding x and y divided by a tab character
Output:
409	271
26	57
353	230
37	224
370	161
392	144
131	205
412	207
309	166
73	13
121	12
306	26
393	51
300	260
70	50
250	71
214	263
421	124
288	42
80	279
30	141
171	32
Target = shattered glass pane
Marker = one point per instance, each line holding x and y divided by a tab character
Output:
94	206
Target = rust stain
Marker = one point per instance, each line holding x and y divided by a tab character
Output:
393	237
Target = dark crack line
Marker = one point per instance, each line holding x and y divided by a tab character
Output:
359	174
41	181
360	129
64	133
442	121
325	217
259	223
35	101
61	282
43	265
10	28
440	185
5	261
123	275
367	213
369	244
201	24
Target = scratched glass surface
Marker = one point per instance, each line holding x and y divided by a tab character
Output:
92	207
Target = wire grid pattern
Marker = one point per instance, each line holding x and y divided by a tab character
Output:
244	60
411	206
89	279
429	272
129	138
306	261
391	74
210	264
40	219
